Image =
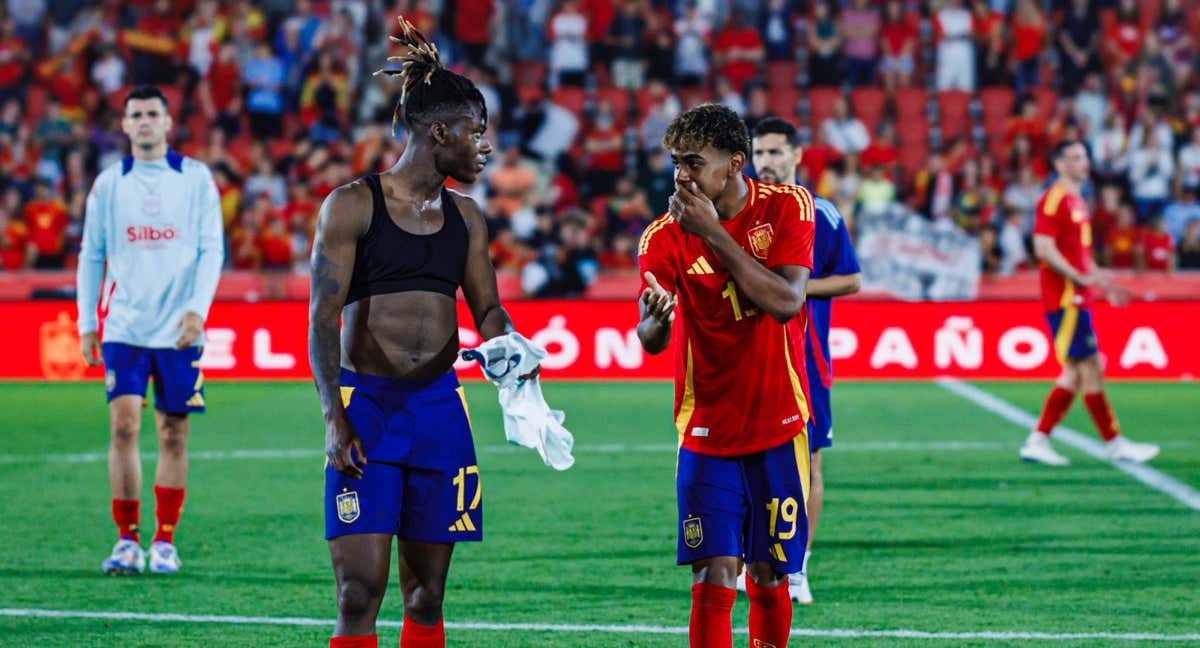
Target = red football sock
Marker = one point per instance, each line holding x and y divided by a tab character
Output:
1102	415
357	641
125	514
1057	404
168	503
770	614
711	626
415	635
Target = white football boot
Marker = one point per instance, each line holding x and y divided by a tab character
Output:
798	588
163	558
1121	449
1037	449
127	558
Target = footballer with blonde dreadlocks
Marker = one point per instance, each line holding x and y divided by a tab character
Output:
391	251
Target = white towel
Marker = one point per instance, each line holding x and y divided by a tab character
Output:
528	419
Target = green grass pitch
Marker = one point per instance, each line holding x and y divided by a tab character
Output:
931	523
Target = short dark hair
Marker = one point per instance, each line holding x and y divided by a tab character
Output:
428	90
1061	147
773	125
705	125
146	92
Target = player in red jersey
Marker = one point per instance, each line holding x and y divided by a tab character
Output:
1062	240
735	255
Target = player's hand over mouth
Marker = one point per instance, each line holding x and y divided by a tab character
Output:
694	212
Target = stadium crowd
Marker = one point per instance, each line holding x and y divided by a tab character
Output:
947	106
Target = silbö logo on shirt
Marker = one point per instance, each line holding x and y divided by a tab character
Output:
139	233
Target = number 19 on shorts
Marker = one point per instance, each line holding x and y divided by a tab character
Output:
789	510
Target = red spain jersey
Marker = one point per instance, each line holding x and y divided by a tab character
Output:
1064	216
740	386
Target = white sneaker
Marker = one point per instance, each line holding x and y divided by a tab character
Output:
1121	449
798	588
1037	449
127	558
163	558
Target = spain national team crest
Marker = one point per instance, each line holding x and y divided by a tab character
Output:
693	532
760	239
347	506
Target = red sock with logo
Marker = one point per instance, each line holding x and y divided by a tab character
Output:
770	614
168	504
357	641
1102	415
1057	404
415	635
710	625
125	513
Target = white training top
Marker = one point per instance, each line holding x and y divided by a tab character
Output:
158	226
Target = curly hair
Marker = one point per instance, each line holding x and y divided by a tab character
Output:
705	125
428	90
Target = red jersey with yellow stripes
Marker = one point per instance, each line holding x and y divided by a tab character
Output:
740	386
1064	216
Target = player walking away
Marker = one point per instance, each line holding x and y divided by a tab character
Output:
155	220
391	252
776	152
1062	241
735	255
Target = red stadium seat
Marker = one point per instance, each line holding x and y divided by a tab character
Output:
529	73
784	102
954	113
912	131
997	103
820	103
913	158
573	99
782	74
692	97
910	102
646	97
199	126
527	94
869	105
1046	99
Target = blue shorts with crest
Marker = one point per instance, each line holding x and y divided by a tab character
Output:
178	381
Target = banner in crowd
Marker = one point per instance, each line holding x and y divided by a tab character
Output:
598	340
907	255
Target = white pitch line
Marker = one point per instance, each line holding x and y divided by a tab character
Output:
590	628
1159	481
599	448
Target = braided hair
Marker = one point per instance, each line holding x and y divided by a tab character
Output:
429	92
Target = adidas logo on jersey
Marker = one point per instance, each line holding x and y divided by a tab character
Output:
462	524
700	267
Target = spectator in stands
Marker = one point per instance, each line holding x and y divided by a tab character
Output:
1021	197
27	18
1121	248
568	46
692	30
1189	163
877	192
778	31
625	36
1106	214
899	45
1124	38
16	252
657	180
14	59
473	27
660	57
108	71
824	45
1158	247
727	96
992	58
993	255
1091	104
46	218
622	254
549	129
267	181
1177	41
955	52
1078	38
512	183
1150	170
738	51
1189	247
1183	211
264	76
1153	71
1110	148
628	212
604	146
1029	35
843	131
55	134
860	27
275	244
1011	240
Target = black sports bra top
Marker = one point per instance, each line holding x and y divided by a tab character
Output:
390	259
